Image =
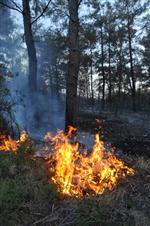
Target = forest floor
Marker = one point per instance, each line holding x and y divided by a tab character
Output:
129	132
28	199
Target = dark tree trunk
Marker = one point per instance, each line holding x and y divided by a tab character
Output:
87	88
32	79
91	78
133	89
120	75
57	81
110	79
73	64
51	82
103	72
99	87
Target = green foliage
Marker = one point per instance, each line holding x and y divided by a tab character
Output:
3	89
23	186
6	115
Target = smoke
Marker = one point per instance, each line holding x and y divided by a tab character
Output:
43	114
36	112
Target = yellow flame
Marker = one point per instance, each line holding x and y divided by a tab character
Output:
10	145
78	174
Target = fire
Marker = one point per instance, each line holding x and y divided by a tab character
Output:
77	173
10	145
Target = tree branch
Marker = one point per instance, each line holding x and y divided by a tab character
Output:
11	7
44	10
17	6
79	3
60	10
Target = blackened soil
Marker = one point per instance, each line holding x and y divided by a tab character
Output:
129	137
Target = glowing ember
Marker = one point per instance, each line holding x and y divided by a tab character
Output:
77	173
10	145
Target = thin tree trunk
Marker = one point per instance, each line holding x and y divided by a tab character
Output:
99	88
120	76
87	88
32	79
73	64
133	89
57	81
91	78
103	72
110	80
149	72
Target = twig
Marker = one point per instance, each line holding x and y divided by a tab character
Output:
48	218
44	10
11	7
17	6
79	2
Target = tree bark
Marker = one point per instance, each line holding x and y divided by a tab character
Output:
32	78
73	64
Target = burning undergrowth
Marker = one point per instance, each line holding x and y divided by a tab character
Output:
11	145
79	172
75	170
28	195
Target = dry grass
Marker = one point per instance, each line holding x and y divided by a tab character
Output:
39	204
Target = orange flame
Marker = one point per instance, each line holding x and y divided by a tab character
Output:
77	173
10	145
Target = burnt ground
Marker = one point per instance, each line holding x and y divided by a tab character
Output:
129	133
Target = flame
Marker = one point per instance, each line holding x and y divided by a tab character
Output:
77	173
9	145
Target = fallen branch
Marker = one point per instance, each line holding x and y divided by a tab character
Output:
48	218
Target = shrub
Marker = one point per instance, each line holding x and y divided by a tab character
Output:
6	103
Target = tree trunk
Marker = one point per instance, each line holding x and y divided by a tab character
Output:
87	87
32	79
57	81
109	68
133	89
73	64
103	72
120	75
91	78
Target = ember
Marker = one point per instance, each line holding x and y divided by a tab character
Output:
77	174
